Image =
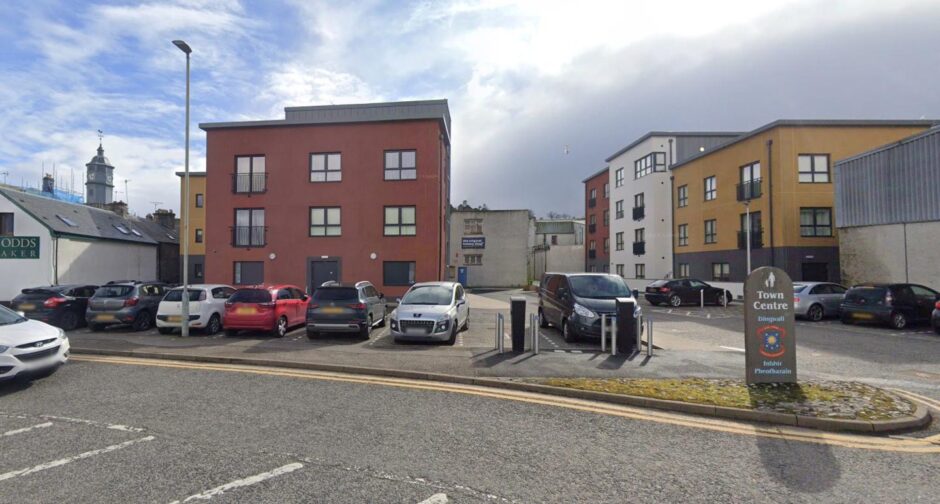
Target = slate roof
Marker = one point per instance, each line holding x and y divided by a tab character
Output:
88	221
156	232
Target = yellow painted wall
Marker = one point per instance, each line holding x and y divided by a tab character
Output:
197	216
789	195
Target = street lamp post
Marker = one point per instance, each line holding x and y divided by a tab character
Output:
184	328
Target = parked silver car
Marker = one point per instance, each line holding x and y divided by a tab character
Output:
815	300
431	311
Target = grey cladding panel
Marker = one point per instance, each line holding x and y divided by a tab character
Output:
688	146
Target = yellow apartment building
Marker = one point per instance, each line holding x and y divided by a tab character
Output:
781	176
197	224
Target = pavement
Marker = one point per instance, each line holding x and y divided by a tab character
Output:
125	430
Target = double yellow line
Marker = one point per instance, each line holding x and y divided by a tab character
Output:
908	445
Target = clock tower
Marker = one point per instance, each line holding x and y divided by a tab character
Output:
99	185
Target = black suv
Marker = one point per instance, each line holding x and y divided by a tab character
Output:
345	308
685	290
132	303
60	305
894	304
574	302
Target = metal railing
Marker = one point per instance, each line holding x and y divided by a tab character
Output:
757	239
249	236
249	183
639	212
749	190
639	248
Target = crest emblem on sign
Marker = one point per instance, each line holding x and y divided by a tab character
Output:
771	341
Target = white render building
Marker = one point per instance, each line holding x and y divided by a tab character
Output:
641	201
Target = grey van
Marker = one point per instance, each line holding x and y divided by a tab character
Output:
574	302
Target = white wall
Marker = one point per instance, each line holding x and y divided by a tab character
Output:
18	274
509	242
657	223
882	254
98	261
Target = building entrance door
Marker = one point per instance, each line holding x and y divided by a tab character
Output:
815	272
323	270
462	275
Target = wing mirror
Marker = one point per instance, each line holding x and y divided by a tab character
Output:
636	294
305	297
21	314
398	300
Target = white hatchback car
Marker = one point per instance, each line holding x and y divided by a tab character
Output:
29	348
206	307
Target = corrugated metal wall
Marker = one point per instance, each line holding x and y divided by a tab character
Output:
900	183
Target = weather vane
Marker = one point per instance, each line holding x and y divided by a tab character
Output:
100	136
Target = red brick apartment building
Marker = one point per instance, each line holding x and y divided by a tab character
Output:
339	192
597	222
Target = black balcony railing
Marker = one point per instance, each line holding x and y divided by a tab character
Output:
749	190
249	182
639	212
248	236
592	254
639	248
592	202
592	228
757	239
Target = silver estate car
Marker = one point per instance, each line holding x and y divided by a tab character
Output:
815	300
431	311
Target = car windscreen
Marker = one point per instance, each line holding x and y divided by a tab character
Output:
113	291
8	316
428	295
177	295
599	286
250	296
336	294
868	295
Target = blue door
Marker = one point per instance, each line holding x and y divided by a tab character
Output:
462	275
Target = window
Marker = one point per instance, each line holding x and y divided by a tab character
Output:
814	168
638	201
473	226
721	272
326	167
683	235
606	245
618	207
400	221
473	259
593	220
711	188
593	194
250	176
815	222
325	221
618	177
606	268
620	269
398	273
592	245
606	189
198	235
652	162
640	270
400	165
750	172
6	223
136	232
683	197
593	269
249	227
618	244
554	239
197	271
121	228
711	231
68	222
200	200
249	273
749	186
639	235
606	218
683	270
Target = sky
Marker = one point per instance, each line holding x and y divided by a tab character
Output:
540	92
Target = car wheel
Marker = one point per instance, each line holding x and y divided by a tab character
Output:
898	320
453	334
466	323
815	313
675	301
312	334
214	325
165	330
382	322
141	321
567	333
69	321
543	322
280	329
231	332
365	331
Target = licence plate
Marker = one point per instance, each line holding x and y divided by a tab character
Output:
105	318
27	307
863	316
246	311
331	309
417	331
174	318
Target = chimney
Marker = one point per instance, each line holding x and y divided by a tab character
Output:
166	218
48	184
118	207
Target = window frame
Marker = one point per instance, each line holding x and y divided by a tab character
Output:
236	274
618	209
477	259
200	200
251	219
639	270
711	238
618	241
10	219
813	173
619	270
470	227
198	236
724	273
412	273
639	200
326	167
251	174
682	235
682	196
713	192
649	164
401	224
399	169
684	268
618	177
815	226
326	225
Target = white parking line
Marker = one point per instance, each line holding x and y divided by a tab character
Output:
440	498
736	349
251	480
93	423
67	460
25	429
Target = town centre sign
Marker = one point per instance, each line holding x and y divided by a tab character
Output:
769	336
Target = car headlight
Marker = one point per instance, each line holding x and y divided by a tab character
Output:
584	312
61	334
3	348
637	311
442	325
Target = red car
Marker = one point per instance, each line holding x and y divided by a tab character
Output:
274	308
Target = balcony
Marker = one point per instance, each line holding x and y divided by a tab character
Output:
248	236
757	239
749	190
592	202
592	228
249	183
639	213
592	254
639	248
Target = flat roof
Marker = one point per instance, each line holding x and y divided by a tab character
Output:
643	138
191	174
351	113
809	123
599	172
